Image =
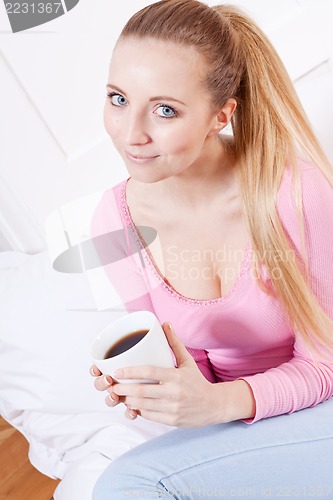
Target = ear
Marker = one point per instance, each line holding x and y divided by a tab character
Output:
223	117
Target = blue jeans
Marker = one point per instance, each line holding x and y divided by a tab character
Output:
283	456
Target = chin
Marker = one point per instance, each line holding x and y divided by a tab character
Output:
144	175
146	179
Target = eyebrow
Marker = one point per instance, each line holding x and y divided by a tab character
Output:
156	98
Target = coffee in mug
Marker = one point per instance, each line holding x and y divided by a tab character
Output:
125	343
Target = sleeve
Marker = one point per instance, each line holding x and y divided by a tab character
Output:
307	379
119	281
201	358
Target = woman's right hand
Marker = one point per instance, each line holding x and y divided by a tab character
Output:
106	383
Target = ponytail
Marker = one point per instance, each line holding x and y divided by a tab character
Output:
270	131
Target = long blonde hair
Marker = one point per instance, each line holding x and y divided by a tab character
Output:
270	129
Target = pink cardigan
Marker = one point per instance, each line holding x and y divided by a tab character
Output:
245	334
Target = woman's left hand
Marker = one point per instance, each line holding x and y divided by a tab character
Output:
182	398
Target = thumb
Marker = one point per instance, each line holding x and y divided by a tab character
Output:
181	353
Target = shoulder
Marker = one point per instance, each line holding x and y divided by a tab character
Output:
118	189
316	198
108	211
114	195
316	191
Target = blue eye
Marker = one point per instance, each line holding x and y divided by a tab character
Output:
117	99
166	111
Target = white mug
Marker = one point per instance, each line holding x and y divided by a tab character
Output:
153	349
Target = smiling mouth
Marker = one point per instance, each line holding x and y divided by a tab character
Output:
140	159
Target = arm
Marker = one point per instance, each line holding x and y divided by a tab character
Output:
307	379
121	267
203	363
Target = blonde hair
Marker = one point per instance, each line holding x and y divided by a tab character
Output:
270	130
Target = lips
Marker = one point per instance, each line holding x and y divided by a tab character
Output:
140	158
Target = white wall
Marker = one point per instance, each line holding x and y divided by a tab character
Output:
52	81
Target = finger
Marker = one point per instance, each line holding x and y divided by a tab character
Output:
131	414
112	399
181	353
149	404
150	391
154	373
103	382
94	371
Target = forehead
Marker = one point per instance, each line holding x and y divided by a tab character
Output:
166	65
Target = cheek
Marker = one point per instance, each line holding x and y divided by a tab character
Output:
172	137
110	122
185	141
106	119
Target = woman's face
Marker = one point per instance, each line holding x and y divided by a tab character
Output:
157	113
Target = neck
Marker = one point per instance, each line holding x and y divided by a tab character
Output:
211	176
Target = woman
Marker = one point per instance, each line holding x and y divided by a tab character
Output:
243	271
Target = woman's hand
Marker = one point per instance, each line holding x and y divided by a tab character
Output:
106	383
182	398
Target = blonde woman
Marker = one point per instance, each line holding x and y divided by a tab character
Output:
243	281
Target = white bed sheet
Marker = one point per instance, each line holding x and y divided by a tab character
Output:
47	323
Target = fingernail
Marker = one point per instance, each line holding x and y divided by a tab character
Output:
107	379
117	374
92	371
111	399
132	413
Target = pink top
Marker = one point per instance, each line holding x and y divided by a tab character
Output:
245	334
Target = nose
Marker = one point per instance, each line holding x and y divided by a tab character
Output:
137	130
